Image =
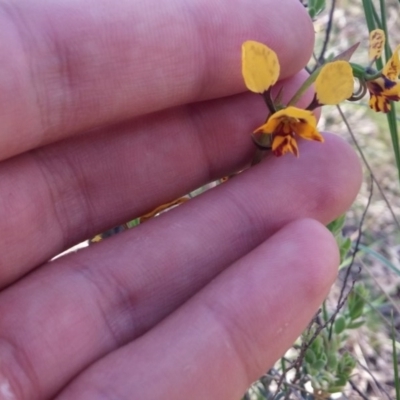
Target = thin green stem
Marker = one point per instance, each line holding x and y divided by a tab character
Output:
372	21
268	101
369	14
384	27
303	88
376	17
358	70
392	122
395	363
258	156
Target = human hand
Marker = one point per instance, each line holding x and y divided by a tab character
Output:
108	110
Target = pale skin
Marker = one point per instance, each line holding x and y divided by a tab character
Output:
149	101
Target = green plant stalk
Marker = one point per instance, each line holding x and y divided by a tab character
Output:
358	70
369	12
384	27
376	17
391	116
283	366
307	83
395	364
379	257
325	312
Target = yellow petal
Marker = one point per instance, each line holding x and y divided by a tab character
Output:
297	113
392	68
260	66
334	83
306	131
283	145
279	141
392	93
379	103
293	147
270	126
376	43
377	86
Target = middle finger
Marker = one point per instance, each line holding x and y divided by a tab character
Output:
57	196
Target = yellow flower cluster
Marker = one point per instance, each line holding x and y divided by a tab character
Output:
260	69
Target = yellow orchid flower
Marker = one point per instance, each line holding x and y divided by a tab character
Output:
286	126
385	88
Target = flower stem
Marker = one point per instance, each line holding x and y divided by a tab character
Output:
258	156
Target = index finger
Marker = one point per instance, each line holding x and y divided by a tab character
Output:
70	66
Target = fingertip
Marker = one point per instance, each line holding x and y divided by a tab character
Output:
320	254
322	183
296	57
290	33
340	176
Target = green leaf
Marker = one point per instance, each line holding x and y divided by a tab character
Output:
380	257
337	225
133	223
356	302
335	389
315	7
355	324
341	381
340	325
319	364
332	361
345	248
317	344
357	310
346	365
310	356
320	5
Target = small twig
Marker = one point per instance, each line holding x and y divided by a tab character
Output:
356	389
342	298
328	31
306	345
291	385
258	156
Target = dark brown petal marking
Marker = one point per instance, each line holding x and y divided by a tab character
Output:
279	150
374	88
377	44
388	83
386	107
393	97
